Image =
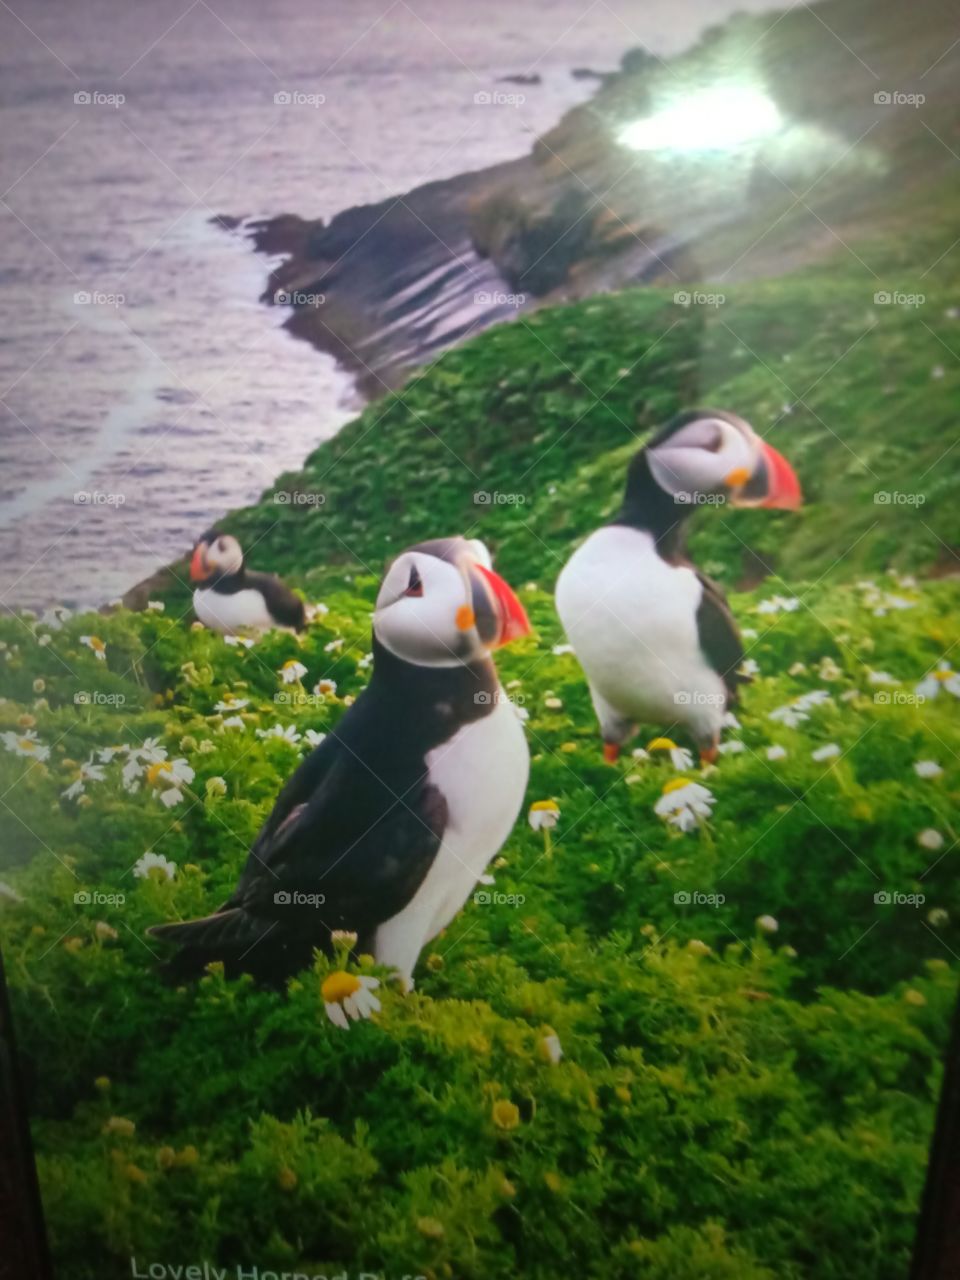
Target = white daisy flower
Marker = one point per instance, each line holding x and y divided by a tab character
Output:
285	732
245	641
560	649
334	646
749	667
88	772
312	738
233	722
150	751
684	803
640	753
151	861
553	704
927	769
729	721
881	677
170	796
25	744
776	752
156	606
680	757
292	671
317	610
767	924
230	702
97	645
732	748
543	814
365	662
930	839
827	752
55	617
942	677
325	689
169	773
349	995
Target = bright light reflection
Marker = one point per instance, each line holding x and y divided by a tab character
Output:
709	120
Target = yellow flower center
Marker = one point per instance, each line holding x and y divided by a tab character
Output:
155	770
338	986
662	744
544	806
97	644
942	675
674	785
26	744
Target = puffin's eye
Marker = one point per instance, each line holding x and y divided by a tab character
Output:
415	585
221	545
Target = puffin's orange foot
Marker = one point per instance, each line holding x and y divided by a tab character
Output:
708	755
611	752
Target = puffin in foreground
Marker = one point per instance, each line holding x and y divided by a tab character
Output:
384	830
655	637
229	597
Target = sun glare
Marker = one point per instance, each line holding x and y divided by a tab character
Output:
708	120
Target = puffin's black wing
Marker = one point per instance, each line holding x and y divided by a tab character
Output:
720	636
346	847
285	606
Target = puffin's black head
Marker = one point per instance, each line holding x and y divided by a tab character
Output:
216	555
442	605
706	455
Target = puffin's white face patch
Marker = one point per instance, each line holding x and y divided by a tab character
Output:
419	612
224	554
701	457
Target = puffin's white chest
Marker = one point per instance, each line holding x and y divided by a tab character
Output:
632	619
232	612
482	774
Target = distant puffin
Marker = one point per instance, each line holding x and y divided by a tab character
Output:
386	827
654	636
230	598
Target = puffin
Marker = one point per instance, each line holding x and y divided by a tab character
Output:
655	636
385	828
229	597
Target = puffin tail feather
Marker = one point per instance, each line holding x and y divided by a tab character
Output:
227	936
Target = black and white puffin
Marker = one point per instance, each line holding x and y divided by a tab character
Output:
386	827
229	597
654	636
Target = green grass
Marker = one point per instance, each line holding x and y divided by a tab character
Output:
732	1102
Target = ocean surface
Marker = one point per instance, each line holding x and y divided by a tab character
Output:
144	389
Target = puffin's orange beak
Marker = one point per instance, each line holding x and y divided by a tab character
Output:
514	622
783	488
198	563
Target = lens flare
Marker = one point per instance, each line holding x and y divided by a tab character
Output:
708	120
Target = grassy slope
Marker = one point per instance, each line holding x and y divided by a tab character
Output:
739	1112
